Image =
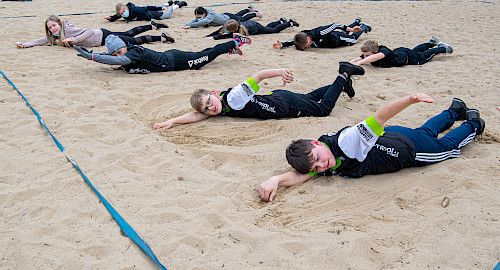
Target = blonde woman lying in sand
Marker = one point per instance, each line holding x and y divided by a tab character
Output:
66	34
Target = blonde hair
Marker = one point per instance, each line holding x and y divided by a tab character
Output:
53	40
197	99
370	46
119	7
233	25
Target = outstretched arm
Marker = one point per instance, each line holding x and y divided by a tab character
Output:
286	75
372	58
183	119
268	188
388	111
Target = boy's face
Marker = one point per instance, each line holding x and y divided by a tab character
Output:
200	16
120	52
366	54
123	10
323	158
309	42
211	104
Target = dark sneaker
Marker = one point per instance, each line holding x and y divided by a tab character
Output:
357	21
242	39
473	115
351	69
283	20
235	50
158	24
434	41
170	2
181	3
348	89
459	106
294	22
449	49
168	38
366	27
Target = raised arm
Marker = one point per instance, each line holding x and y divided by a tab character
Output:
286	75
372	58
268	188
183	119
388	111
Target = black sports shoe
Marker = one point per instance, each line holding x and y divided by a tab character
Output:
350	69
158	24
168	38
459	106
348	89
293	22
366	27
473	115
181	3
170	2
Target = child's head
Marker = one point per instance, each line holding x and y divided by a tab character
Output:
115	45
302	41
370	47
310	156
233	25
200	12
121	9
54	29
206	102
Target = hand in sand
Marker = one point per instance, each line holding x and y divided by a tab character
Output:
184	27
277	45
165	125
19	45
267	189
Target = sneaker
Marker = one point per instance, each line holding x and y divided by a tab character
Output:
158	24
348	89
242	39
434	41
449	49
473	115
459	106
235	50
283	20
258	14
168	38
350	69
170	3
366	27
181	3
357	21
294	22
250	8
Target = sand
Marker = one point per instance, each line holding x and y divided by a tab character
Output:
213	217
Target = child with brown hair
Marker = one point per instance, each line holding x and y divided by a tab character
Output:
251	28
241	101
381	56
131	12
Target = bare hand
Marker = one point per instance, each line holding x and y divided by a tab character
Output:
277	45
107	18
210	37
166	125
164	8
357	29
286	76
420	97
184	27
267	189
19	44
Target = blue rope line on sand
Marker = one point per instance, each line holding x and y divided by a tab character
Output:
125	227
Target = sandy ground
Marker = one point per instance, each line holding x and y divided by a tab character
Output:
213	217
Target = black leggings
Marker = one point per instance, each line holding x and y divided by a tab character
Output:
271	28
128	37
319	102
239	16
196	60
423	53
